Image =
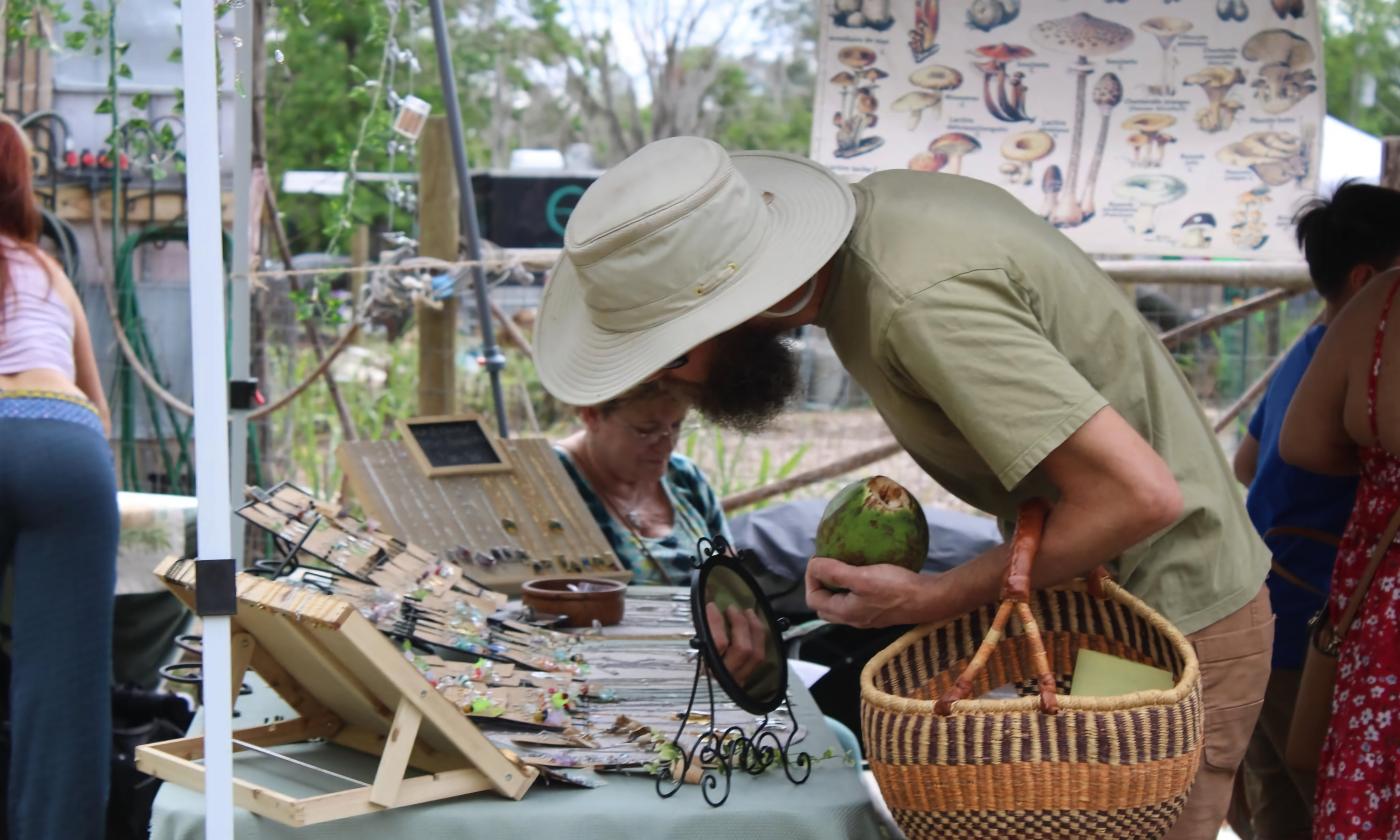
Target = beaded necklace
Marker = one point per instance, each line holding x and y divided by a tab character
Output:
682	515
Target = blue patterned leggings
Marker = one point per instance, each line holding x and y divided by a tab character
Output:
58	530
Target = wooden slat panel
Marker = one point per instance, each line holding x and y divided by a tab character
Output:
442	513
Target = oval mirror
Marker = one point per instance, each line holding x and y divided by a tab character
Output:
738	635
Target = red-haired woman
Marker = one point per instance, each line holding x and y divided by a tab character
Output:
58	529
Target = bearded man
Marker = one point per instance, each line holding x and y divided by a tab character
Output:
1002	358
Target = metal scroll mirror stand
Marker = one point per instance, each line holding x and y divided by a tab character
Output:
739	640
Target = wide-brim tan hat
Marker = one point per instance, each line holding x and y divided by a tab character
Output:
675	245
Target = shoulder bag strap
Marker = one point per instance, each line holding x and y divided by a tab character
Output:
1313	534
1354	602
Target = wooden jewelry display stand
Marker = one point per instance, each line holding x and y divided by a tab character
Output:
350	686
507	506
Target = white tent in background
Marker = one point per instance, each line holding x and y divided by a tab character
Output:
1347	152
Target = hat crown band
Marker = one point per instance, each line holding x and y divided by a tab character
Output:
659	263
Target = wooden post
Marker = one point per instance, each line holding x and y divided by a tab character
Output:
438	237
1390	163
359	257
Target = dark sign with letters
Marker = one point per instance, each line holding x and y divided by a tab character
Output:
453	446
526	211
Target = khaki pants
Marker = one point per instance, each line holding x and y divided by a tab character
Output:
1234	653
1280	799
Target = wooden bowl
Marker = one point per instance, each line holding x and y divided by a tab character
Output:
580	600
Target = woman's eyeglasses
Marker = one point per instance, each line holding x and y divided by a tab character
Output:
651	436
679	362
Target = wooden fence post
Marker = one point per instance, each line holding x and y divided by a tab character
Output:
438	237
359	257
1390	163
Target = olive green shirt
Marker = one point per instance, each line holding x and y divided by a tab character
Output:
985	338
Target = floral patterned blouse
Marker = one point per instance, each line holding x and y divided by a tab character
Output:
697	514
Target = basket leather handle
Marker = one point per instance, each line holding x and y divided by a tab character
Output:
1016	598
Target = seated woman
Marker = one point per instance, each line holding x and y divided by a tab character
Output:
652	504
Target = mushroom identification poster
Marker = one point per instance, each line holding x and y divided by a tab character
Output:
1145	127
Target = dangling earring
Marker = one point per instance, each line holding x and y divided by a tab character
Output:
796	307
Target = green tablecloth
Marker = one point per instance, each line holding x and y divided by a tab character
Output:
832	805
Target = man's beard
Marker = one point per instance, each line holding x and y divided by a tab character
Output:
753	376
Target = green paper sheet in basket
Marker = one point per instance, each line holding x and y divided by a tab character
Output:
1101	675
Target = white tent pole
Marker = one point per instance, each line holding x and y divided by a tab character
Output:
200	55
240	309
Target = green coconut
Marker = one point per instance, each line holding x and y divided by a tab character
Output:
874	520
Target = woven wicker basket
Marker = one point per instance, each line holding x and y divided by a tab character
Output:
1094	767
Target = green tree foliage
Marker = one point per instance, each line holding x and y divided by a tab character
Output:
1362	53
529	73
323	60
328	81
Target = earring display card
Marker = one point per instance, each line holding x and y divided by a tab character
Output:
556	700
349	685
503	528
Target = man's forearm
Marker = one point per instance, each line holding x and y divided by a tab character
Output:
1076	540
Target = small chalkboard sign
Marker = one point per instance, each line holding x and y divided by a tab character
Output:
453	445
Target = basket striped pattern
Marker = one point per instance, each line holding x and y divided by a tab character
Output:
1102	767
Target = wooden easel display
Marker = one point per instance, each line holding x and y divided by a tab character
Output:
350	686
514	516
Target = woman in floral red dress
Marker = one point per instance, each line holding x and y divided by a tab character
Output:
1345	418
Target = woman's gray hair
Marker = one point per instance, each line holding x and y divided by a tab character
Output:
645	392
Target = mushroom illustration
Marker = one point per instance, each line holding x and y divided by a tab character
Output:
856	57
987	15
874	14
954	145
1285	75
934	79
1160	141
1088	37
1051	183
1166	30
1285	8
1022	151
1016	104
1196	231
846	81
872	76
925	31
914	104
1216	81
1228	109
1232	10
1274	156
928	162
1147	193
1150	126
858	102
1248	229
1138	142
1108	92
1005	106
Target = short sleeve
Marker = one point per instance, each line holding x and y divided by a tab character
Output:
973	346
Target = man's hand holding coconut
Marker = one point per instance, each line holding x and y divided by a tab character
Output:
1006	363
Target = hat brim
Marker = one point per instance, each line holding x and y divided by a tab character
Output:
810	215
